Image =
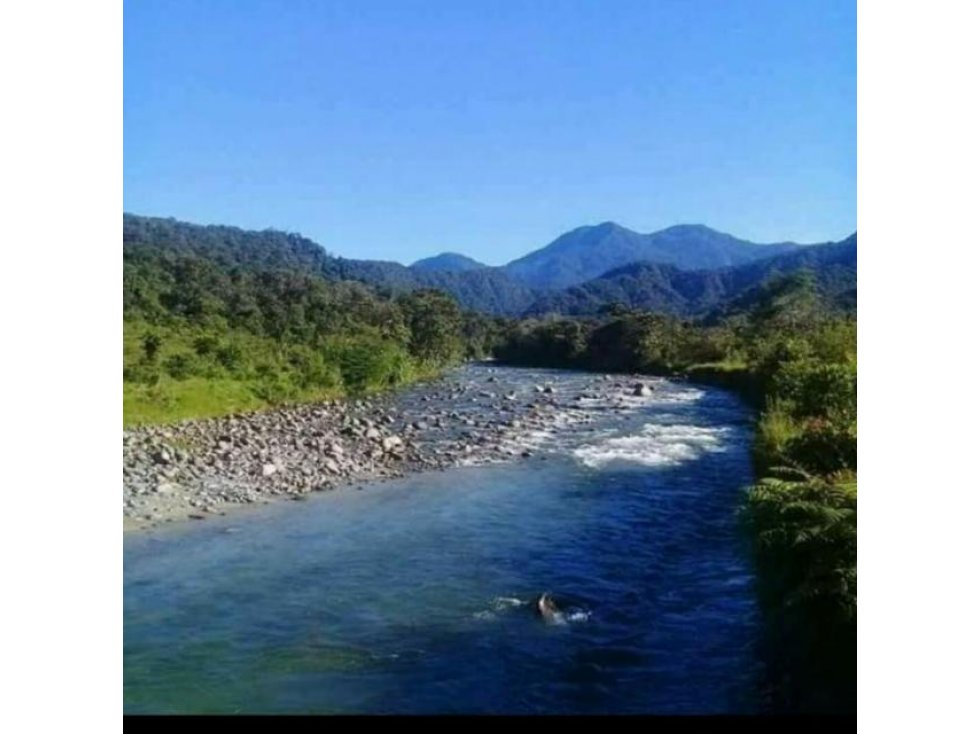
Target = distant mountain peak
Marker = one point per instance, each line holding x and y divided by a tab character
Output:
448	262
587	252
693	229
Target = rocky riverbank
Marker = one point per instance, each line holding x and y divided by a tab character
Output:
200	468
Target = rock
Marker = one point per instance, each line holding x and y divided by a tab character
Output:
549	390
372	434
392	443
269	469
641	390
162	457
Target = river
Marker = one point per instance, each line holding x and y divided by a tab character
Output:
414	595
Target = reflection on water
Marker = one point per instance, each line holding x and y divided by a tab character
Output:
417	596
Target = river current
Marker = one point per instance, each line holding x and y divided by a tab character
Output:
415	595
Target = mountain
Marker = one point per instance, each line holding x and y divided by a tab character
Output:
657	286
667	288
588	252
487	289
448	262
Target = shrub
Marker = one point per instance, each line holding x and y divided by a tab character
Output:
180	366
824	447
206	345
818	389
230	356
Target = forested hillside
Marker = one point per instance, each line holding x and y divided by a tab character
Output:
218	320
667	289
488	290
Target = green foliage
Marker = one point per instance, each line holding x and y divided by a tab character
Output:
265	311
434	324
818	388
180	366
151	346
806	535
777	428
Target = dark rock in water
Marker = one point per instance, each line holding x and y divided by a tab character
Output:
549	390
526	453
641	390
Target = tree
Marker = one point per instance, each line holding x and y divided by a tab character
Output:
435	323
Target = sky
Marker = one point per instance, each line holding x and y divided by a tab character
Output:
397	129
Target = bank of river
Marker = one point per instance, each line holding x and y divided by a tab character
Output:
412	595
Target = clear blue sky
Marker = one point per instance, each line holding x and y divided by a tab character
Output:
399	129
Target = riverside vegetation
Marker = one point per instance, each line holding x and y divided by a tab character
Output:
208	336
203	340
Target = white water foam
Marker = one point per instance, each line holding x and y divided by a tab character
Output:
655	445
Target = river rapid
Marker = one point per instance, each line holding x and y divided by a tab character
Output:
416	595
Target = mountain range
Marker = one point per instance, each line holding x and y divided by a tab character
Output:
667	288
588	252
686	269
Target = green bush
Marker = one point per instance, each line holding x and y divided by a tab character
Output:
230	356
824	447
206	345
181	365
806	540
818	388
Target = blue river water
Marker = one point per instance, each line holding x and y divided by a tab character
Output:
414	596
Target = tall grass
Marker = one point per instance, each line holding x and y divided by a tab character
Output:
180	372
777	428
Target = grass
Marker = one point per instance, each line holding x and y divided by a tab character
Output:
187	377
776	428
172	401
